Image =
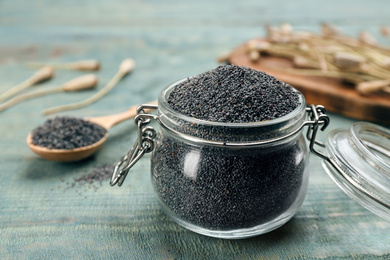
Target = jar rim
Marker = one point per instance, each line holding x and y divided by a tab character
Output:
162	102
371	147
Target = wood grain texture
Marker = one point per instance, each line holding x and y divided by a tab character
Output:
42	216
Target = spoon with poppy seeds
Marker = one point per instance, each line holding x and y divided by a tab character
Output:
67	139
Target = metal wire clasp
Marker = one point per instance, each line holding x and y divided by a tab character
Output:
317	117
144	144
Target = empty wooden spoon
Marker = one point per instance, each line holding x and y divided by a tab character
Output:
68	155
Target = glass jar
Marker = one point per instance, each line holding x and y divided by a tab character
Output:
236	180
228	180
223	179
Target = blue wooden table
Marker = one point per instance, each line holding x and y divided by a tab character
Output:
44	214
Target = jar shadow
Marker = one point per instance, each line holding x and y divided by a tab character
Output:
163	238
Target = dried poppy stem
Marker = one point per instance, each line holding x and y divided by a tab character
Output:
346	60
329	30
329	54
372	86
386	89
350	76
385	31
224	57
79	83
305	63
126	67
85	65
44	73
332	55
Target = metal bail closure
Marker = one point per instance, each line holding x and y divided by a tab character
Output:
317	117
144	144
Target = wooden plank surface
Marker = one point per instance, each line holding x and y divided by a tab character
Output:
43	216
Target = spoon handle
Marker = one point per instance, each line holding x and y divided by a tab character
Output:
111	120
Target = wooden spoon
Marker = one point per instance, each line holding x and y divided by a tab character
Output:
64	155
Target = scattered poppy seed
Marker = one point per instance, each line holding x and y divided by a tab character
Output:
99	174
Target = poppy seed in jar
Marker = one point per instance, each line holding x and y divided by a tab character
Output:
233	94
206	184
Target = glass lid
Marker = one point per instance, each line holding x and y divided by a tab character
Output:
359	162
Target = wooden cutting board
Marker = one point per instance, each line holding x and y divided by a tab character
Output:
335	95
